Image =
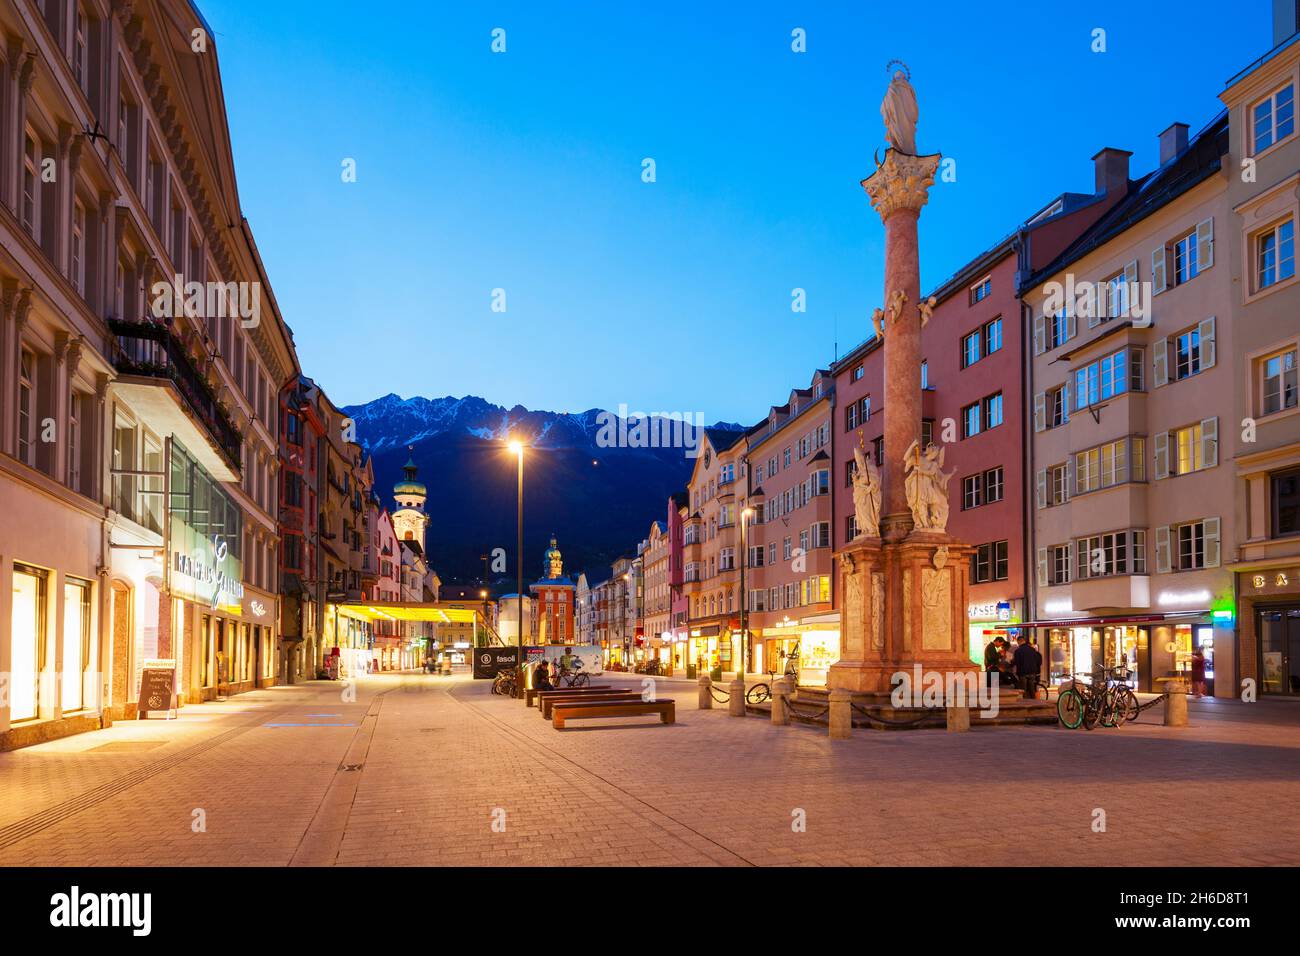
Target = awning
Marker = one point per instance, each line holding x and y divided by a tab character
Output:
1105	621
434	612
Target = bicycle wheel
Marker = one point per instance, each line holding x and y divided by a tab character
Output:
1041	692
1130	702
1091	712
758	694
582	680
1070	708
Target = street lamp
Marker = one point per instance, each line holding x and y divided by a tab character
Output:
518	448
745	515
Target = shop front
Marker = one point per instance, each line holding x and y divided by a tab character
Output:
811	644
1147	651
1269	617
988	619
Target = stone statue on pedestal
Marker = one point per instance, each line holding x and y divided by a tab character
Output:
899	111
866	495
927	487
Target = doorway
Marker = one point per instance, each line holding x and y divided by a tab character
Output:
1279	650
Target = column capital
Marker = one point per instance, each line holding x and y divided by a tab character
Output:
901	182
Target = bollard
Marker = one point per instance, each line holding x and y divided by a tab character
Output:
841	723
780	707
736	705
1176	704
706	692
958	719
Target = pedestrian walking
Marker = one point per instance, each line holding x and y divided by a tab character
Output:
1028	665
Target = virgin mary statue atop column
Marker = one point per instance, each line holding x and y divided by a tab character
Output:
899	111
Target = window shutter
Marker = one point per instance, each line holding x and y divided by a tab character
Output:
1158	270
1069	560
1097	299
1040	481
1210	442
1211	531
1208	349
1131	278
1162	455
1040	334
1163	564
1071	322
1040	411
1065	403
1205	243
1160	362
1042	567
1069	477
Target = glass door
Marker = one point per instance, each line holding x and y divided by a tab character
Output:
1279	646
28	646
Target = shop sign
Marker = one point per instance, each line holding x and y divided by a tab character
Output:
203	570
488	661
256	608
157	688
992	611
1282	579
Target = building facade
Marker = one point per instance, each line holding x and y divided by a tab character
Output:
1264	196
554	598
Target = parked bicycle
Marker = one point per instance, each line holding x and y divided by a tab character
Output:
504	684
576	677
760	693
1109	701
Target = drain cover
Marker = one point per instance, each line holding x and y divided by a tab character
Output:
352	767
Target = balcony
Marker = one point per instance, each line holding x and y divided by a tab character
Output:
160	381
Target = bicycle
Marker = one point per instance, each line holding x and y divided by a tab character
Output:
1087	705
761	693
504	684
573	678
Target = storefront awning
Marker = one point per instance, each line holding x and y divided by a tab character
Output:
434	612
1107	621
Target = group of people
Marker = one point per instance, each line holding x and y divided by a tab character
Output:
1019	667
547	675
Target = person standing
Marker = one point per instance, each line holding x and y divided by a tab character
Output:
1028	665
1198	673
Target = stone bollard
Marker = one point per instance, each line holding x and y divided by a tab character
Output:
736	704
706	692
958	719
1176	704
780	707
841	723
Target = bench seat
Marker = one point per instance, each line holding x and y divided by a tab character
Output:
574	710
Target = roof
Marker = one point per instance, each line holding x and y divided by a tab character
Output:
1202	158
723	438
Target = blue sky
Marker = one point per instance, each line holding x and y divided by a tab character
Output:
522	171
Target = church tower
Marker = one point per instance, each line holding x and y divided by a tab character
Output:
409	520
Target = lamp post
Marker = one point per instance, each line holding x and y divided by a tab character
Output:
518	448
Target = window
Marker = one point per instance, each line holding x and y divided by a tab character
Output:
787	548
79	61
30	212
1279	381
1273	118
925	374
993	411
1285	490
1058	329
785	458
993	485
971	346
981	290
1275	255
77	267
1058	564
1116	296
1113	463
1058	488
27	408
27	627
1109	376
970	420
972	492
850	528
878	445
989	563
1116	552
78	651
1057	412
75	405
1186	259
993	336
927	432
1187	354
821	534
1189	454
1191	546
858	371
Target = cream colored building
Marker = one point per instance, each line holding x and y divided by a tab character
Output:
1264	196
116	174
1130	436
657	598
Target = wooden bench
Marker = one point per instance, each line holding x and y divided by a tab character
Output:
573	710
533	692
548	703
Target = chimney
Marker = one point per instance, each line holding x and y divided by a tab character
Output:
1112	170
1172	142
1286	20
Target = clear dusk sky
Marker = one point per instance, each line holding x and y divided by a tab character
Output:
522	171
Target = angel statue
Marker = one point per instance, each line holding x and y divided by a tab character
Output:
927	487
866	495
899	111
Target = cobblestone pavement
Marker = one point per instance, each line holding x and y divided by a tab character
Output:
422	770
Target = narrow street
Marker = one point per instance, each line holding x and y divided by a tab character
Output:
422	770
